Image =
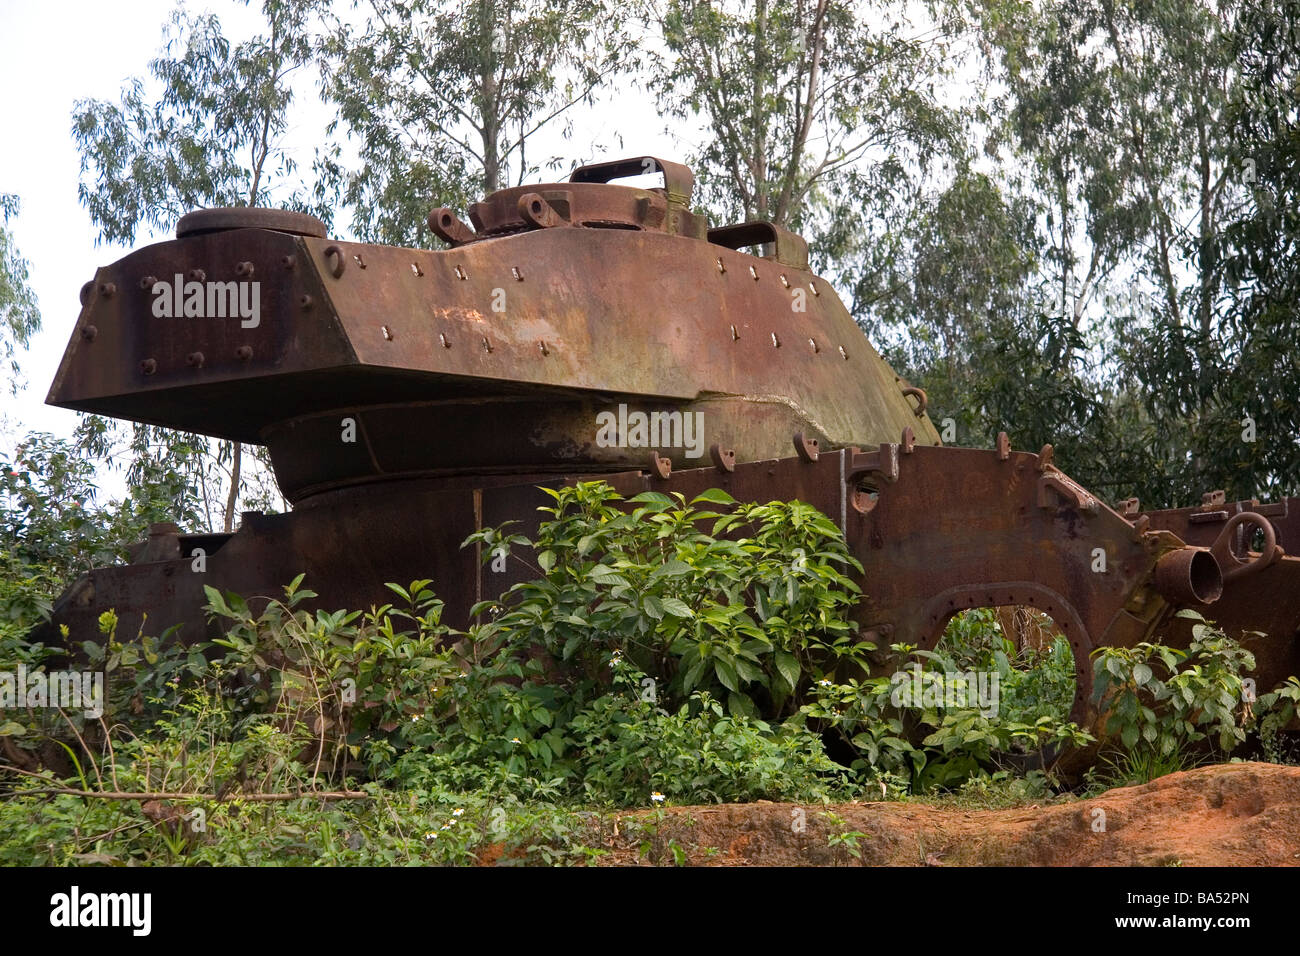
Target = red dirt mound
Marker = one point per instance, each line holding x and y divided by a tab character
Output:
1244	814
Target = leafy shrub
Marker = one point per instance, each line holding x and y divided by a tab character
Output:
752	619
1276	711
1157	698
1170	708
356	677
629	749
1034	682
608	673
50	521
955	745
928	748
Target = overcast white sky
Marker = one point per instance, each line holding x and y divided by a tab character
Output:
56	52
51	55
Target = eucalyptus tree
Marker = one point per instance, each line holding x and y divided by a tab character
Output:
449	99
20	318
209	127
1119	117
806	105
1255	265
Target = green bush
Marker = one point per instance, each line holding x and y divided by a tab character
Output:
955	744
1169	708
1034	682
921	748
1158	697
609	672
752	611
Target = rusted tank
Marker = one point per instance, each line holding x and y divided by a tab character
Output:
586	329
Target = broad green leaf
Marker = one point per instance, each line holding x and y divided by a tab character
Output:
726	673
1129	735
676	607
788	667
653	498
714	496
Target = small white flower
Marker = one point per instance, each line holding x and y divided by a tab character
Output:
824	683
657	797
431	835
515	740
414	718
456	813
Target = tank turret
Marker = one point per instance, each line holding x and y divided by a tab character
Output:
575	327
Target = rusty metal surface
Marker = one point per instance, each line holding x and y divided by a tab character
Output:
1201	525
686	330
249	373
568	204
487	435
787	248
1263	612
960	528
679	182
1261	597
203	221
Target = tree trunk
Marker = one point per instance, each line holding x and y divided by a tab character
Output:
489	93
232	500
237	449
757	120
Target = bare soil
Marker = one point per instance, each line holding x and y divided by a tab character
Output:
1244	814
